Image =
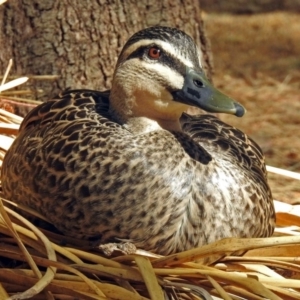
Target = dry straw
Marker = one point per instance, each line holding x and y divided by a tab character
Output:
45	265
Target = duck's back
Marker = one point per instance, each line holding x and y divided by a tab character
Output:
90	176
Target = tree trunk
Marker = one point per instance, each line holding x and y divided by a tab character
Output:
250	7
80	40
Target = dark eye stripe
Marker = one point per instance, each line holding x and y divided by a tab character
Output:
138	53
165	59
174	63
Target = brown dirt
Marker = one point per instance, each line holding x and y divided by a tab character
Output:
257	62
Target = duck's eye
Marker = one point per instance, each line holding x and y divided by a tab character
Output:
154	53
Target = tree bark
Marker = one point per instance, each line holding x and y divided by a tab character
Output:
80	40
250	7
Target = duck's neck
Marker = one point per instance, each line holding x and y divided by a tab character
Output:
171	125
141	125
125	109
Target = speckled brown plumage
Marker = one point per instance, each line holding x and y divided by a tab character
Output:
164	191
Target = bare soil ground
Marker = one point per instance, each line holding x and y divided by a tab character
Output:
257	62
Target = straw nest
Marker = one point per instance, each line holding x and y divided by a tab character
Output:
39	264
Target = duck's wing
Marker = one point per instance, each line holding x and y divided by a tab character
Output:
71	105
219	137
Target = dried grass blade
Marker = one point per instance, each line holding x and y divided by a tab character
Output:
36	77
116	292
75	283
20	279
58	265
190	289
124	273
13	83
239	279
241	293
12	117
218	288
222	248
146	269
281	207
63	251
88	281
23	207
23	92
278	251
39	235
45	279
46	263
126	285
285	219
95	258
3	293
7	222
4	119
283	172
6	128
265	261
43	77
5	142
25	100
262	269
285	283
291	230
251	284
10	62
284	293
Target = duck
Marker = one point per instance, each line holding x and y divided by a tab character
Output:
130	165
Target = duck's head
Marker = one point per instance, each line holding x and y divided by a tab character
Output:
158	76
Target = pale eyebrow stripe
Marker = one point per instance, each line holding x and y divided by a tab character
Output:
173	79
164	45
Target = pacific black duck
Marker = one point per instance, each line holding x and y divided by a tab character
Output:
130	165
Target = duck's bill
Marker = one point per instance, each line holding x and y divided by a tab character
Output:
198	91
